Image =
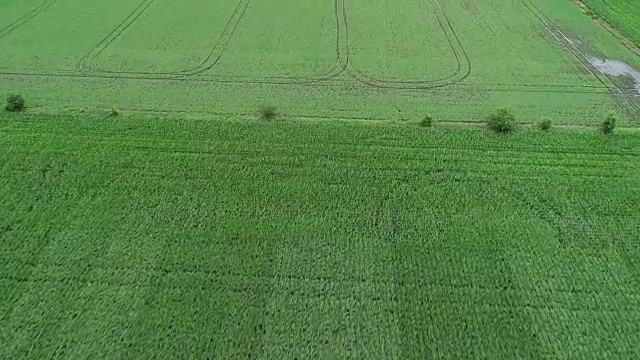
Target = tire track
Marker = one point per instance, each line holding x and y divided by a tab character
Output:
451	45
453	40
25	18
343	65
622	100
87	64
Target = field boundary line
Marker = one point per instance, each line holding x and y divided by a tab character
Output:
478	123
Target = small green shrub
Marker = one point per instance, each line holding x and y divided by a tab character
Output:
427	121
114	112
268	112
501	121
544	124
15	103
609	124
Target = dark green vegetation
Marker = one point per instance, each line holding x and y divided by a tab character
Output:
268	112
609	124
128	237
624	15
427	121
15	103
187	239
544	124
501	121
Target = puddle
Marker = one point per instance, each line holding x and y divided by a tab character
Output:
619	68
627	78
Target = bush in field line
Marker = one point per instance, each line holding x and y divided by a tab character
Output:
544	124
501	121
268	112
609	124
15	103
427	121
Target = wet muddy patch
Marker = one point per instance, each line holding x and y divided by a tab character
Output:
629	77
620	79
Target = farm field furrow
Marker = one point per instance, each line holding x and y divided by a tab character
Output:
57	39
15	12
160	37
160	238
244	179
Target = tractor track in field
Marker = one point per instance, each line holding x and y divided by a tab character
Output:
86	67
159	272
87	64
345	82
344	64
629	44
25	18
444	23
623	101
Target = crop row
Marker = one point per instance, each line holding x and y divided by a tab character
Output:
288	239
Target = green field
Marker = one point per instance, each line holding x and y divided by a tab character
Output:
624	15
341	59
194	239
147	211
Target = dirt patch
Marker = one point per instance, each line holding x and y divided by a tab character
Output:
626	42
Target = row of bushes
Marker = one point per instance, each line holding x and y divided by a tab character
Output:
504	121
16	103
501	121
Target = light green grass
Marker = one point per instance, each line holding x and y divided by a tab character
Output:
141	238
57	39
288	39
388	44
167	37
207	59
13	11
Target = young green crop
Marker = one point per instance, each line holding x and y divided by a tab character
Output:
160	238
350	59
